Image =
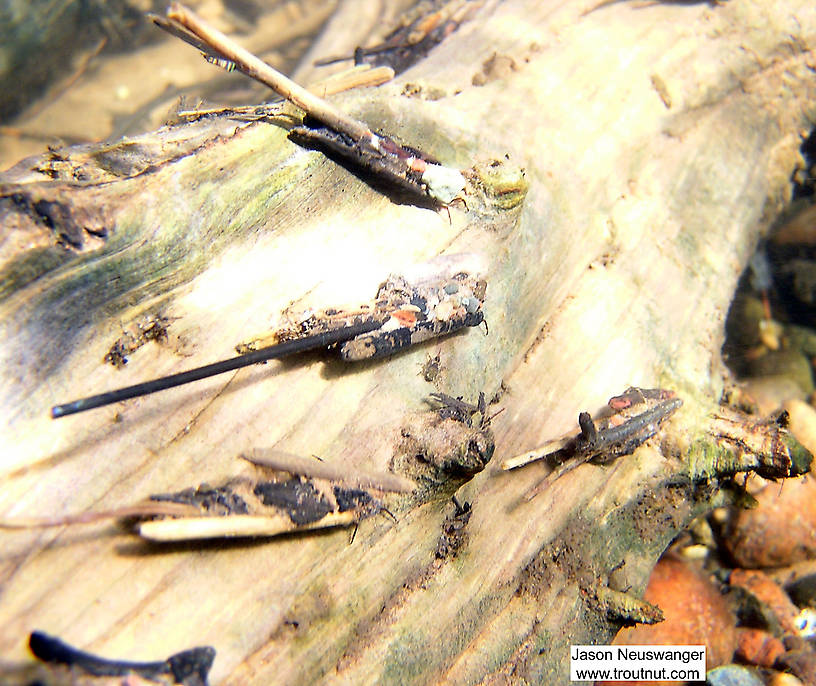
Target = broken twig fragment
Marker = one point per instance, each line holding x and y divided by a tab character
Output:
325	125
317	469
235	526
739	443
183	23
424	27
189	667
145	509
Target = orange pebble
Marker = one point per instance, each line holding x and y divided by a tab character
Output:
696	614
781	530
769	593
758	647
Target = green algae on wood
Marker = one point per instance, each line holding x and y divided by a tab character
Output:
762	448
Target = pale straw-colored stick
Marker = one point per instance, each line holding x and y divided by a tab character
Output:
235	526
259	70
312	468
538	453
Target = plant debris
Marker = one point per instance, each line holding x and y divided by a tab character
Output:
445	298
151	327
420	30
454	439
324	125
743	444
453	535
189	667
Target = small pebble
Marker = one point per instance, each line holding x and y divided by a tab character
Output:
783	362
802	423
733	675
695	552
758	647
471	305
799	228
801	662
769	593
771	392
784	679
443	183
780	531
444	311
770	333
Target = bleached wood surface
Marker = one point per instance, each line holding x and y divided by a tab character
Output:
657	142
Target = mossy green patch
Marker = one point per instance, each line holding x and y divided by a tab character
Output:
159	241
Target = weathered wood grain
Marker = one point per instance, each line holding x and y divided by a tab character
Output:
657	143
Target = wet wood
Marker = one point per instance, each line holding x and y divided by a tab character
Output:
657	143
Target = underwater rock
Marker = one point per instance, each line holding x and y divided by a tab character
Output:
780	531
769	393
783	679
695	612
769	593
801	662
758	647
786	362
733	675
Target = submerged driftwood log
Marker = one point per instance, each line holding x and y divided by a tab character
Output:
656	141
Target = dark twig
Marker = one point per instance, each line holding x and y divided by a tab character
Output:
321	340
189	667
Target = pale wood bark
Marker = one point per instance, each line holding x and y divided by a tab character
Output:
657	142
